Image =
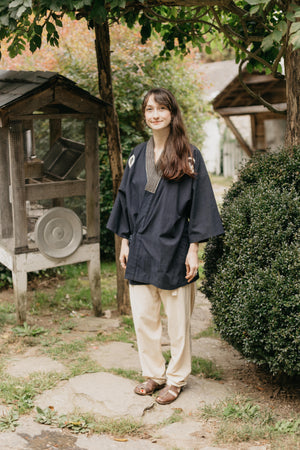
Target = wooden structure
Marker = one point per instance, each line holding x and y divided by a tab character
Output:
235	100
24	98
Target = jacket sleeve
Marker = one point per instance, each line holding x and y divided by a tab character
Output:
204	221
118	221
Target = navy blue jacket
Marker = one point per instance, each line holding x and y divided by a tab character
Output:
161	225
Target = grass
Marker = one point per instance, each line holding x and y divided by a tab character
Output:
177	416
242	420
19	393
79	422
210	332
7	314
65	351
125	333
200	366
220	180
72	291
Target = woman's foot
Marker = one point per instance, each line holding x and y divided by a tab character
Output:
147	387
168	395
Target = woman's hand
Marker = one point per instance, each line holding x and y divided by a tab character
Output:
191	262
124	252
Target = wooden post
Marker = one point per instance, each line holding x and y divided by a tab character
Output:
55	133
19	276
17	179
6	222
92	208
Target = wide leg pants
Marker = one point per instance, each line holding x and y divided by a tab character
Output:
178	305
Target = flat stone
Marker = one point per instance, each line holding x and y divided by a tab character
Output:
190	435
197	393
101	393
218	351
109	443
23	366
97	324
120	355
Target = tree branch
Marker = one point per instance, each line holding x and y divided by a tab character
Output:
253	94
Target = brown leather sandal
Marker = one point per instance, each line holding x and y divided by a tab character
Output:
168	395
147	387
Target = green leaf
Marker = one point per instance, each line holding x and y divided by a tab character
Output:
20	11
255	2
290	16
295	27
50	27
267	42
277	35
4	20
208	50
15	3
282	26
295	41
254	9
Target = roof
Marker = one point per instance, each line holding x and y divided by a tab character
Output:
17	86
216	76
234	99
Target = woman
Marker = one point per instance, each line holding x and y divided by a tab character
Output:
165	206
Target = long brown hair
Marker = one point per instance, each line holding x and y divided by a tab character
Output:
176	158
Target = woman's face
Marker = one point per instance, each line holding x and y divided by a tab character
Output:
157	117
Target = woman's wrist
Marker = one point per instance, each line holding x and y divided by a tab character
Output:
194	246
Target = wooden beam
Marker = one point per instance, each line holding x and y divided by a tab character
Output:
239	137
258	132
6	221
244	110
78	103
17	182
32	103
55	189
58	116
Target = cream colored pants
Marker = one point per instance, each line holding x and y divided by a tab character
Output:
178	305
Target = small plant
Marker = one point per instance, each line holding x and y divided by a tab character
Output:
45	416
9	421
27	330
75	423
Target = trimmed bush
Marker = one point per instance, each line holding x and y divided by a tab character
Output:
252	272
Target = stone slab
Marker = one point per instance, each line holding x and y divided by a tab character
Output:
119	355
23	366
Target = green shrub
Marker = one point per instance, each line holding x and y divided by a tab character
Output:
252	272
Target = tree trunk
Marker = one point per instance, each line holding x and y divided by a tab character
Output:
102	42
292	70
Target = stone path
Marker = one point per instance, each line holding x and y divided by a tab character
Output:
112	396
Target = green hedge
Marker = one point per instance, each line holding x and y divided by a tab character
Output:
252	272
